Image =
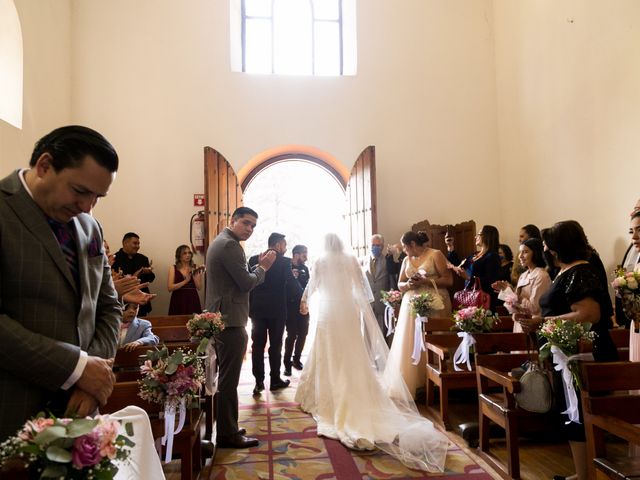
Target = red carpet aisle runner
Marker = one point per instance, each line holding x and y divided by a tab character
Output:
290	449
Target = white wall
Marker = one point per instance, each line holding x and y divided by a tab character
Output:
46	35
154	77
567	75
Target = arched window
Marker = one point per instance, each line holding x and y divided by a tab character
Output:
10	64
294	37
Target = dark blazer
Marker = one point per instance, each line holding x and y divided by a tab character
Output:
269	300
45	317
228	280
140	329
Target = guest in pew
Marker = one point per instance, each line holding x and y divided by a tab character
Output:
129	261
526	232
134	331
484	264
452	256
185	279
534	281
59	313
421	266
629	262
576	294
506	262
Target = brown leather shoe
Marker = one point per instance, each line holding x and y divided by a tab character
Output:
236	441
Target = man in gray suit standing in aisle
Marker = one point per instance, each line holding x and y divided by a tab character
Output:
59	312
379	270
228	285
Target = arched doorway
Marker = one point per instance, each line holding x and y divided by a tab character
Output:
298	198
224	189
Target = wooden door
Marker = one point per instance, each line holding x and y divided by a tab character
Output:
360	194
222	193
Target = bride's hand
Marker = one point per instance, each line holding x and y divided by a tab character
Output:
304	308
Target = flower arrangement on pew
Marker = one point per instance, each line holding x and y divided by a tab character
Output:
626	285
204	328
467	321
392	299
423	305
76	448
563	342
173	380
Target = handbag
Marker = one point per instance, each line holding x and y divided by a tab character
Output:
475	297
536	394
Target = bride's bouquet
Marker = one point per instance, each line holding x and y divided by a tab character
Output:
626	287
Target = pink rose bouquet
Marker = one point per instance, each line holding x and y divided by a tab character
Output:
391	298
204	326
474	320
79	448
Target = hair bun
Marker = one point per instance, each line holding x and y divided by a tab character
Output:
422	237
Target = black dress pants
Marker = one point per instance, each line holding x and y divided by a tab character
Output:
297	330
261	328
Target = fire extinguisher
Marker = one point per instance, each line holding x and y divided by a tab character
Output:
197	232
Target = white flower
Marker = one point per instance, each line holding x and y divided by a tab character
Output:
632	283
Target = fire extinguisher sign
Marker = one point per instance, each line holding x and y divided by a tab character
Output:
198	199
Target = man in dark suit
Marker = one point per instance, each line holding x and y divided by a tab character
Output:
228	285
268	312
297	323
59	312
129	261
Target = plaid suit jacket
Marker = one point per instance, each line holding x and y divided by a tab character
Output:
229	281
45	318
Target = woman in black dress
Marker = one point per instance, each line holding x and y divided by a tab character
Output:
578	293
484	264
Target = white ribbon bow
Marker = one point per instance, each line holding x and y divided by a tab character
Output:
462	352
211	372
169	424
418	340
562	365
389	316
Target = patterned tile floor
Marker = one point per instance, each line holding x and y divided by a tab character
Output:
290	448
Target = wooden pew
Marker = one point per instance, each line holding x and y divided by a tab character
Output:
608	406
186	444
441	344
499	405
168	320
126	367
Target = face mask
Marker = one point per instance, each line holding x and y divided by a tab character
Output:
501	258
376	250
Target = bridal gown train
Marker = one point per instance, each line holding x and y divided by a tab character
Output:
341	384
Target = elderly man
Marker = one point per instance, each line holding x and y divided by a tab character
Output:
380	270
59	312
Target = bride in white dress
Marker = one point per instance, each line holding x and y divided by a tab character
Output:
342	385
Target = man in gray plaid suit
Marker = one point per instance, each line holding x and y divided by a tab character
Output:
59	312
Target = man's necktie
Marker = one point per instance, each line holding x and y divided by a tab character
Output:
373	266
67	243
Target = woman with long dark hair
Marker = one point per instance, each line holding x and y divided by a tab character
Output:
185	279
484	264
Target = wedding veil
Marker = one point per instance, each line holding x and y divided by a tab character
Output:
337	279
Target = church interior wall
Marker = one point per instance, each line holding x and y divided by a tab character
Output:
475	108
